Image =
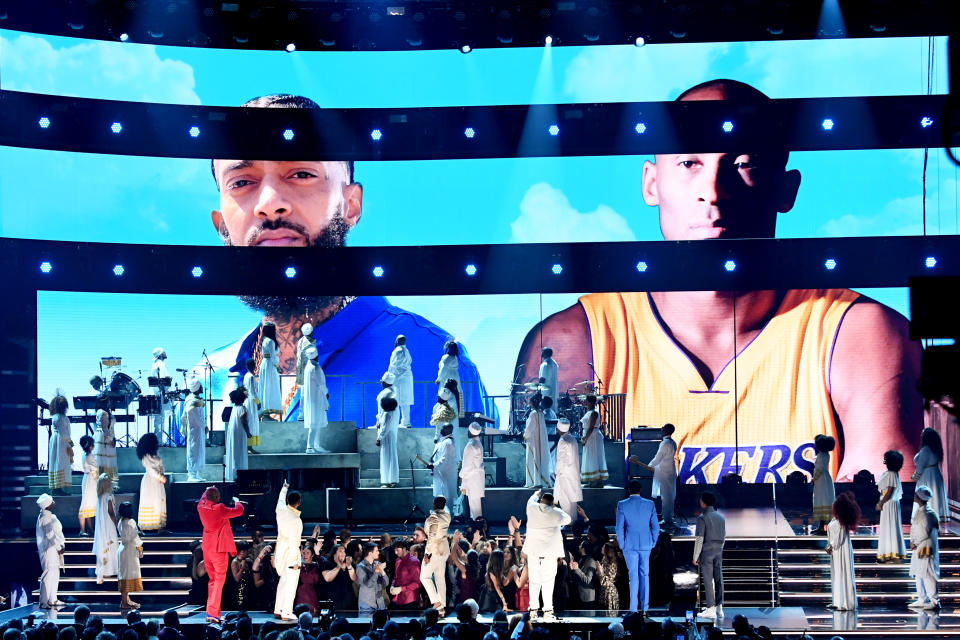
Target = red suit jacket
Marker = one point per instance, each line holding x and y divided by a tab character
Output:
217	535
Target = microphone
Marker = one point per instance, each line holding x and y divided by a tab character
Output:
182	370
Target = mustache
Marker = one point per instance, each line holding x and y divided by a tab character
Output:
253	236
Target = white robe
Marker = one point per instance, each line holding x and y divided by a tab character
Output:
159	422
444	461
153	496
824	493
128	554
252	403
58	460
88	498
50	543
106	445
387	433
890	545
304	343
538	462
449	369
928	473
315	405
593	467
566	488
550	372
270	395
664	468
235	457
925	559
400	366
473	476
842	582
105	539
194	427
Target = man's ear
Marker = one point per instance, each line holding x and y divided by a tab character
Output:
789	187
217	219
353	203
649	184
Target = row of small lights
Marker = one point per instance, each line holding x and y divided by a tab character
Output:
471	269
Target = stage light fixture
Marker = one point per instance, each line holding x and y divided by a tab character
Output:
830	264
44	122
466	49
553	130
730	265
926	121
116	127
46	266
640	128
639	42
290	272
642	266
291	48
548	40
471	270
469	132
118	270
827	124
557	269
288	134
930	262
194	131
378	271
197	271
376	134
124	37
727	126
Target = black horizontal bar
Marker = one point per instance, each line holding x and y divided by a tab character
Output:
428	133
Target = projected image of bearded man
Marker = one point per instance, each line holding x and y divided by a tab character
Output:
314	204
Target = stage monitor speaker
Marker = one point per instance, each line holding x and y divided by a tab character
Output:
644	443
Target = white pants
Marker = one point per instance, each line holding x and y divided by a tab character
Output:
475	505
50	578
404	414
668	493
926	587
433	577
286	590
543	573
313	437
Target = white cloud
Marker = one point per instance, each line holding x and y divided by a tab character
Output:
901	217
546	215
106	70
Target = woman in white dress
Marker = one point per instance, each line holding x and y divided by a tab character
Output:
129	553
401	364
88	496
890	547
823	492
846	515
60	453
252	384
236	437
106	446
593	465
450	369
152	515
928	473
270	396
387	441
105	530
925	546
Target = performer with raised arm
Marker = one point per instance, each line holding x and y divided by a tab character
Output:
152	514
549	375
543	547
473	476
270	394
50	543
538	462
387	441
217	544
401	364
566	488
194	428
443	462
434	566
286	557
316	401
664	468
711	533
252	385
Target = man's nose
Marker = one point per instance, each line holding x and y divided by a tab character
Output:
272	201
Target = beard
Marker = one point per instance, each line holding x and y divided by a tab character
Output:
333	235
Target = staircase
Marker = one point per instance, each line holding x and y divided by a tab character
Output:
749	572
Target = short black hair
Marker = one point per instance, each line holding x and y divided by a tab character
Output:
547	402
634	487
389	403
439	502
401	543
238	395
546	352
824	443
294	498
708	498
893	460
85	443
668	429
125	510
82	612
546	497
368	547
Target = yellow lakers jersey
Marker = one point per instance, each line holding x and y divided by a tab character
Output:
778	384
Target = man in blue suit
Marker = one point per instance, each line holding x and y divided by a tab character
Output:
637	532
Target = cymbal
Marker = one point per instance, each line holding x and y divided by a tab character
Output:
535	386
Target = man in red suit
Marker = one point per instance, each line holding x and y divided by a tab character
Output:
217	545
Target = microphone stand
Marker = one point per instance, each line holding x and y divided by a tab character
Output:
207	383
415	508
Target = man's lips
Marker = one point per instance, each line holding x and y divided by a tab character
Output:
709	230
278	239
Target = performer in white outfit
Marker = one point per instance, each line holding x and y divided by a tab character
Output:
449	369
286	557
306	340
890	546
843	585
50	543
929	474
549	375
443	462
664	468
824	493
194	428
593	467
129	552
401	367
566	489
387	441
316	401
252	384
473	476
387	390
60	452
235	456
543	546
925	547
105	531
106	447
270	394
433	569
444	412
88	496
538	461
153	496
158	370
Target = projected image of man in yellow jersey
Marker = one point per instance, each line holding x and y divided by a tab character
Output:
807	362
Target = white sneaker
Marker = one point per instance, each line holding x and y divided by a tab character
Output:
720	611
533	616
931	604
709	612
919	603
549	617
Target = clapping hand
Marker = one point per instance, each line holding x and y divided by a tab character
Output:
574	565
394	591
476	536
583	514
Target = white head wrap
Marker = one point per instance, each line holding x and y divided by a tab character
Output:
194	384
311	353
45	500
158	352
923	492
307	329
563	425
446	394
388	377
475	429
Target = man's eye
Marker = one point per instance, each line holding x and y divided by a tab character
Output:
687	164
303	175
236	184
745	165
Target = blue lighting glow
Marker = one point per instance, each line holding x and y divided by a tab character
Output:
641	127
548	40
553	130
288	134
930	262
639	42
46	267
116	127
194	131
830	264
290	272
471	270
730	265
124	37
378	271
827	124
118	270
469	132
44	122
557	269
197	271
727	126
291	48
376	134
926	121
466	49
641	266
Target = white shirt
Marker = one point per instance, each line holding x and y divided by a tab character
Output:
544	539
436	527
550	372
289	533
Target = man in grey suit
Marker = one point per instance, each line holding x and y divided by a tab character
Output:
711	533
371	576
637	532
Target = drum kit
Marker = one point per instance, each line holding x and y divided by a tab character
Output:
570	405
